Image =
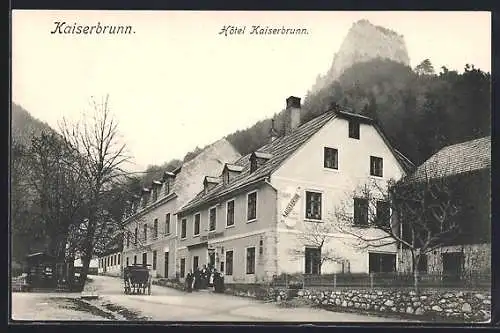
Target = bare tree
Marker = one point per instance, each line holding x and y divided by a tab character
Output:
102	155
416	214
58	190
317	235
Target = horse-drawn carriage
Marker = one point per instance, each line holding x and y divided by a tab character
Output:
137	279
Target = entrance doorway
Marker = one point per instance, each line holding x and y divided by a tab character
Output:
452	265
382	262
211	257
144	259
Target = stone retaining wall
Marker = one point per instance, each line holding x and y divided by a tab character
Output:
434	305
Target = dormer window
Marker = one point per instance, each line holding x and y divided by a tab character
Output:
156	187
257	159
354	129
145	195
230	171
168	180
209	183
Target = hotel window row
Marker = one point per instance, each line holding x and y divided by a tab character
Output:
331	161
112	260
361	205
230	216
155	231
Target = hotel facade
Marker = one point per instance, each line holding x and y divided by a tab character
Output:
247	220
150	224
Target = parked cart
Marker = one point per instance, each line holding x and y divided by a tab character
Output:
137	279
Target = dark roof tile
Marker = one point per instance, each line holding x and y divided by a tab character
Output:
455	159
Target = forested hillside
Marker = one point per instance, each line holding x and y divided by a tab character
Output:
420	110
25	127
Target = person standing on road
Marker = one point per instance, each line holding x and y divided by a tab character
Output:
189	281
197	276
204	277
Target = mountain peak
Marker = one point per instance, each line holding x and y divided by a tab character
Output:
364	42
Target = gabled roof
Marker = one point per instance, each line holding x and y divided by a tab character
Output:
278	151
281	148
209	179
455	159
261	154
233	167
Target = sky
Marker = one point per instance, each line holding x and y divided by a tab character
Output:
175	83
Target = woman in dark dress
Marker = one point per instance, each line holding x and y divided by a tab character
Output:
189	282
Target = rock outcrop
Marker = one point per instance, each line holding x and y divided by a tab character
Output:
365	42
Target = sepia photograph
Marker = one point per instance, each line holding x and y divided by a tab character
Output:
250	166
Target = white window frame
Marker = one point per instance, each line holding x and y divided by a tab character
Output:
338	159
185	236
370	167
209	209
199	226
155	237
234	213
225	261
246	260
322	205
256	206
169	224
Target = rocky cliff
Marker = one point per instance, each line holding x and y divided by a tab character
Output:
365	42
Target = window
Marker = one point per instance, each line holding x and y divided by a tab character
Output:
230	213
183	267
145	232
196	224
382	262
313	205
135	260
213	218
261	247
360	211
155	229
144	259
126	261
251	260
167	187
118	258
128	239
195	262
155	194
312	260
376	166
226	177
252	206
183	228
229	262
136	233
167	224
354	129
331	158
154	259
383	213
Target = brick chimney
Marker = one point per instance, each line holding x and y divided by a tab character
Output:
292	114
